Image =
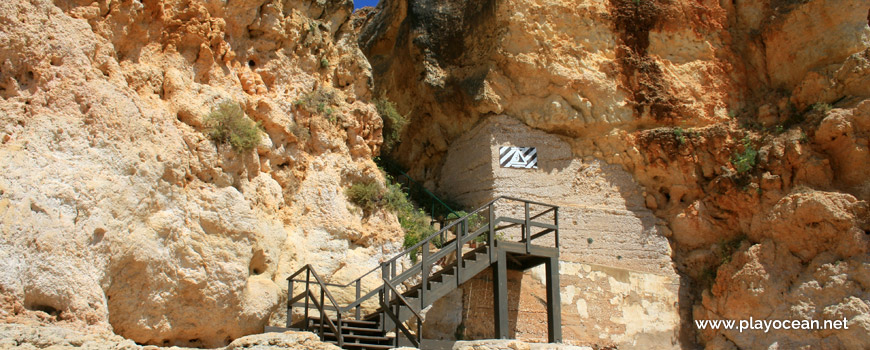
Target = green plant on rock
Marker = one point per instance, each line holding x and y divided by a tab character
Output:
324	63
746	160
370	195
679	134
367	195
394	123
318	101
227	123
824	108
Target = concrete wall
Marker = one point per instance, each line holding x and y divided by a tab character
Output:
618	285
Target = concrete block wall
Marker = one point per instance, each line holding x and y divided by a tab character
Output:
618	286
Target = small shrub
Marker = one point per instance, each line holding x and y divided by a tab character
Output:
324	63
370	196
227	124
589	241
822	107
366	195
318	101
394	123
679	134
746	160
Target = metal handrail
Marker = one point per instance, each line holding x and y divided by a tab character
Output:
399	326
388	267
464	219
319	303
426	191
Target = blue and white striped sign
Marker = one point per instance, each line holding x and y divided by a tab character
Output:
518	157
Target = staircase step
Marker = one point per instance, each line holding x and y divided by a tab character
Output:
364	346
358	336
347	328
357	323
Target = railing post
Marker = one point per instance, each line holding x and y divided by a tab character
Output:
419	333
358	292
490	239
307	294
556	223
289	305
385	274
527	235
339	336
382	318
396	312
424	264
460	234
322	310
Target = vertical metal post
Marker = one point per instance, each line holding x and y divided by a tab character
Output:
419	332
289	306
322	311
398	309
424	284
340	335
381	317
554	304
358	292
307	294
499	295
490	239
527	230
459	236
385	273
556	223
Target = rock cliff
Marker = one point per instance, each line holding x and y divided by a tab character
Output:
119	214
745	122
733	138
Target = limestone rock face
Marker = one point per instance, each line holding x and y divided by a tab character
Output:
119	214
744	122
29	337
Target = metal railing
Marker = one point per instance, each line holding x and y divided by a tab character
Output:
439	212
393	310
395	271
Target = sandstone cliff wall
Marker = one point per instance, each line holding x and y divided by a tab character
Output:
618	283
678	94
119	214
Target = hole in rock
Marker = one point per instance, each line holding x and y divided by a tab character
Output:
45	308
252	64
258	262
99	233
36	208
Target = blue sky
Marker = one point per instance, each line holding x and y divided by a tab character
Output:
362	3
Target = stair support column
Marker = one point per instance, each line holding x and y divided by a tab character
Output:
500	294
554	303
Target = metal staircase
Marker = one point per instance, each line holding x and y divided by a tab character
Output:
510	233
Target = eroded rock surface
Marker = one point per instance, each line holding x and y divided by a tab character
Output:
745	123
119	214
